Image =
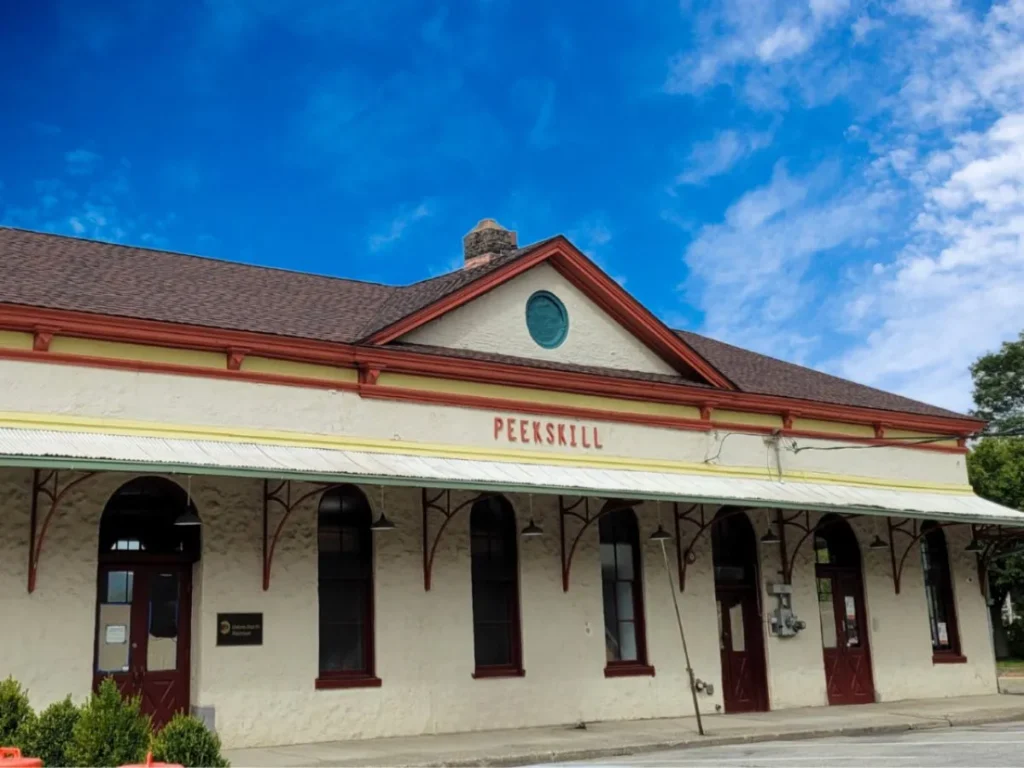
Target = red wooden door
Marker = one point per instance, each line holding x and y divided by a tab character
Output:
143	634
844	636
744	683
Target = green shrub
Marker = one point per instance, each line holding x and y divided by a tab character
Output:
16	714
187	741
49	736
110	730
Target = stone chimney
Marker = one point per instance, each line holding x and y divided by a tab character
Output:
485	241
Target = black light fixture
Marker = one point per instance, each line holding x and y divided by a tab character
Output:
877	543
188	518
770	537
974	546
532	530
661	534
382	523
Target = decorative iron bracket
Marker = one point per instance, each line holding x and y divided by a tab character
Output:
911	529
280	494
585	519
46	485
447	512
995	537
788	559
696	516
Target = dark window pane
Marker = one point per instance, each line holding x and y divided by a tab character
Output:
341	648
342	601
495	575
620	585
492	644
119	586
163	605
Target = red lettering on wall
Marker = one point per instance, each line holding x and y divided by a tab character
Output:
549	432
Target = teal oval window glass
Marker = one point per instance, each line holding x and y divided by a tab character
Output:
546	319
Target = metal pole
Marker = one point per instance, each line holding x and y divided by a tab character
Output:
682	637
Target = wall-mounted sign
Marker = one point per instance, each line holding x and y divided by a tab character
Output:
510	429
239	629
115	634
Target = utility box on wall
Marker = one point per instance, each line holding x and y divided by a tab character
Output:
784	622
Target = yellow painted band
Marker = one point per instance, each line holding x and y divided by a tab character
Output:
229	434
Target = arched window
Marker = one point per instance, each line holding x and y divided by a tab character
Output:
345	586
938	589
495	574
622	588
144	516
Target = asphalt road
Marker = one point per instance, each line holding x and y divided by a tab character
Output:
999	745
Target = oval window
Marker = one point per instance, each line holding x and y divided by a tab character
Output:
546	319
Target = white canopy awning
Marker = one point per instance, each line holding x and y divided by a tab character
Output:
102	451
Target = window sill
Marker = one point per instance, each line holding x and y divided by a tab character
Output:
629	670
948	658
329	683
483	673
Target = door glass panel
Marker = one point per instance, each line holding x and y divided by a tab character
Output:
736	628
826	612
721	629
162	648
627	641
113	649
850	624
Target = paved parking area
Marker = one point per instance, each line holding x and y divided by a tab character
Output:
1000	745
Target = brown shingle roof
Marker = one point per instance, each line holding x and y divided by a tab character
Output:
753	372
59	272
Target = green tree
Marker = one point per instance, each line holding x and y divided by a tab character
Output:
999	386
995	465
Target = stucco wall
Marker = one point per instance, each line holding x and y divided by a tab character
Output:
265	695
496	322
149	397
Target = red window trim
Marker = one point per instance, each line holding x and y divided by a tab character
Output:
485	673
327	681
640	665
948	657
954	653
628	669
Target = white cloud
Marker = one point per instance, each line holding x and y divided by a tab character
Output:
740	36
942	189
753	274
713	158
81	162
396	228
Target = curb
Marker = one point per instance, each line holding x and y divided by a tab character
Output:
571	755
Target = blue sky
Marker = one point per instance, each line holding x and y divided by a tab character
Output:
835	182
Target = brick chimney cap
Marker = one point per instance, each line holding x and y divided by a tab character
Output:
487	224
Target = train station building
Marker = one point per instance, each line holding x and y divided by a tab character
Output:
312	509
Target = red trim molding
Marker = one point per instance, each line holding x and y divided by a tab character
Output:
330	683
595	284
376	359
42	338
487	673
629	670
948	658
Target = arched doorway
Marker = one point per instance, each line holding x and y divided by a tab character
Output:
740	634
844	635
149	540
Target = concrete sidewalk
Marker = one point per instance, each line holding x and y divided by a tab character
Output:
550	744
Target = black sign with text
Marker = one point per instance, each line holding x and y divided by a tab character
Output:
239	629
